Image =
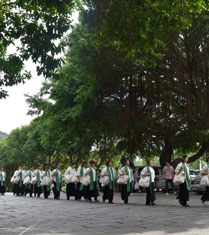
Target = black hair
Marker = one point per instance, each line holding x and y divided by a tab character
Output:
92	162
108	162
184	157
84	163
148	162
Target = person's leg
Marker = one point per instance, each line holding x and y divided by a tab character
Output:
148	202
166	186
172	185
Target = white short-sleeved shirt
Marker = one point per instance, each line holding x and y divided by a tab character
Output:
145	171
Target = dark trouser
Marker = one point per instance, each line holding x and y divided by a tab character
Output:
183	194
205	196
37	190
20	189
29	189
81	192
2	188
150	198
15	189
56	192
46	191
92	192
70	190
108	193
124	193
171	183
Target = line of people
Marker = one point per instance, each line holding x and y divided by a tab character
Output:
84	182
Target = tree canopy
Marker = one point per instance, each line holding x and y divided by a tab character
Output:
134	82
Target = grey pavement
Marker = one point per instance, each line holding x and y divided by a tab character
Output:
24	215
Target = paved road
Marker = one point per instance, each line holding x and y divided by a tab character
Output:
24	215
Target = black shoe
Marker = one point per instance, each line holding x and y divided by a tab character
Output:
153	204
186	205
148	204
126	202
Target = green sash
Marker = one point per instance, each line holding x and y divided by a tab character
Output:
48	186
81	174
2	183
129	183
188	183
58	181
38	179
111	179
20	182
92	180
150	179
30	176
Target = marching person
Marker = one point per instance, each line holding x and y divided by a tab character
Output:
70	187
38	188
205	171
29	187
168	174
149	171
126	188
81	189
92	189
184	188
2	181
57	175
20	186
47	188
109	172
15	186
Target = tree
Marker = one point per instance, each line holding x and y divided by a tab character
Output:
37	28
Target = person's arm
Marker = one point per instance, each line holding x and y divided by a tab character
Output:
204	171
164	172
144	172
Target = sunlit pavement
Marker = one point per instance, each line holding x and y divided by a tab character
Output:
24	215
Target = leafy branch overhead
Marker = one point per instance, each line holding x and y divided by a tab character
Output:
35	28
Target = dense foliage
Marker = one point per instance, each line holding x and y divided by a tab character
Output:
134	82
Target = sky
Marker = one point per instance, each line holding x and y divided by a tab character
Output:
14	108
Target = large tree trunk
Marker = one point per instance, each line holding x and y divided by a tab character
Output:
194	157
167	152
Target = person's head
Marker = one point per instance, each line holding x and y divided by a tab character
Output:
2	168
23	167
31	168
92	163
58	166
19	168
73	165
40	166
149	163
167	164
127	162
46	168
84	163
207	159
109	163
185	159
116	168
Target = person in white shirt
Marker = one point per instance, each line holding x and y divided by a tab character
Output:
149	171
47	188
38	174
15	187
29	187
81	189
126	188
92	189
205	171
182	168
57	179
70	187
108	173
2	181
21	187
